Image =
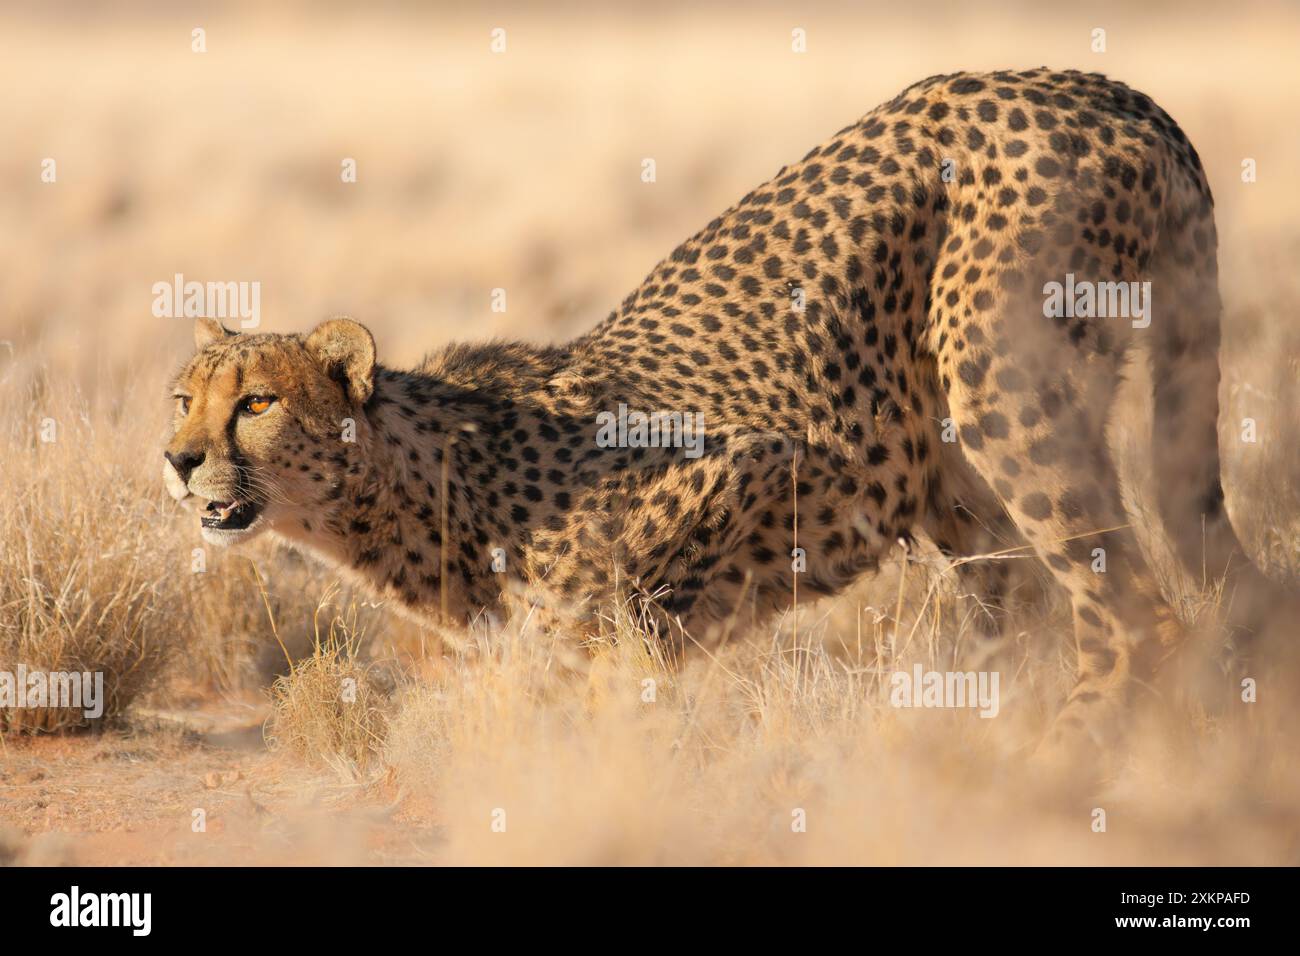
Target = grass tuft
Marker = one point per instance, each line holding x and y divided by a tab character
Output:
329	710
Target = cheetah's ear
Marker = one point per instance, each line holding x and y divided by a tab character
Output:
207	331
346	350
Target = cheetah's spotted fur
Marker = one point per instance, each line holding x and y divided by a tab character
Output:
922	303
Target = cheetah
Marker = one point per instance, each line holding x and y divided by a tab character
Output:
865	341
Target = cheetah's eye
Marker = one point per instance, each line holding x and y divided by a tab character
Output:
257	404
183	403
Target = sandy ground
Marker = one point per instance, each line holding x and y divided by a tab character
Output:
193	786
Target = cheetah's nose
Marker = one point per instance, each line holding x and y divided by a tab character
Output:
185	462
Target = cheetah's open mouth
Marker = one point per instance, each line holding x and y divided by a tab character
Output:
229	515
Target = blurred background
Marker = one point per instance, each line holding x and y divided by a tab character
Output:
517	170
522	170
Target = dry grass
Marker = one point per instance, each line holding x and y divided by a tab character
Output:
517	762
328	710
83	537
521	173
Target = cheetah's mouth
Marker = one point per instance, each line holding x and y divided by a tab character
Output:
229	515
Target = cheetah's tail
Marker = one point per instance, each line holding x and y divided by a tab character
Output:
1185	320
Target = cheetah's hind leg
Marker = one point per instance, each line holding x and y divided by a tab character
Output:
971	529
1030	398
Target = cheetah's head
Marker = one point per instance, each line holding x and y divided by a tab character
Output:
261	437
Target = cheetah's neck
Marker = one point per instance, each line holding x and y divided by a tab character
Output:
422	472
